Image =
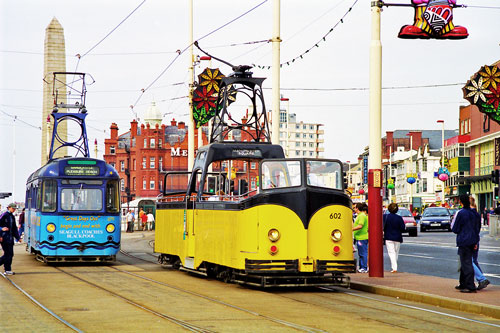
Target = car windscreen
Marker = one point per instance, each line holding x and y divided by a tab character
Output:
404	213
436	212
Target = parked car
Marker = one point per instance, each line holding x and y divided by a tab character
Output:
435	218
411	225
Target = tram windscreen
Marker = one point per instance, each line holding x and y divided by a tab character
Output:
87	199
112	196
324	174
277	174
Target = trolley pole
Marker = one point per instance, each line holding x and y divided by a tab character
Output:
276	40
191	127
375	248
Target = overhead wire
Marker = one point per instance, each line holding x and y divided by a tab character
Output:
179	52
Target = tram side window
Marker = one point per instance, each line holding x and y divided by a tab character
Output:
49	196
112	197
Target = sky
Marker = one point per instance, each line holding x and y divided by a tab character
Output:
422	79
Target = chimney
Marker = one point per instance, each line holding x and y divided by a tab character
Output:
133	128
114	131
173	122
182	125
417	139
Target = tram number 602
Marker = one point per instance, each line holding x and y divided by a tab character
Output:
335	216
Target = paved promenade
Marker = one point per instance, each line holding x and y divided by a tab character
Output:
431	290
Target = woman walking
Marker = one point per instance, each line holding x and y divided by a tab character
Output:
360	232
394	225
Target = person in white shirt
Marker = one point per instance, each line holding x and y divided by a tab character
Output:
151	221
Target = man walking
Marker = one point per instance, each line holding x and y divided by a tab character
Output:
8	231
467	228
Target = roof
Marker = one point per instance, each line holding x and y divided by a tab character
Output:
434	136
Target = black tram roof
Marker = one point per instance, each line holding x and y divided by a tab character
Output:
56	169
236	150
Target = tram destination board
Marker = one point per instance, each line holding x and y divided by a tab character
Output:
81	170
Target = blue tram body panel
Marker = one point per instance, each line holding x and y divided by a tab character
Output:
73	211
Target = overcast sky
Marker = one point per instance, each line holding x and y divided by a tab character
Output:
135	54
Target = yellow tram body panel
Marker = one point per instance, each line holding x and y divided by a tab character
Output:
230	237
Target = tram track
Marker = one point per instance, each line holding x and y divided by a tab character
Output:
40	305
383	308
214	300
177	321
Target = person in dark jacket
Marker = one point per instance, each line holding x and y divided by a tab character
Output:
394	225
8	231
467	228
21	223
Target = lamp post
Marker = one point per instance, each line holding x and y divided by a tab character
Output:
411	170
375	250
348	172
442	156
389	176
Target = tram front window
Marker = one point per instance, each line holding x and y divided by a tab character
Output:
278	174
324	174
87	199
112	197
49	196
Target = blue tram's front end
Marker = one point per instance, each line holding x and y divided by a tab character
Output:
73	211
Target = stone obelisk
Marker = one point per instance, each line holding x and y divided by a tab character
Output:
54	61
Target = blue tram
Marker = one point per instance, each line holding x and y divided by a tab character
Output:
73	211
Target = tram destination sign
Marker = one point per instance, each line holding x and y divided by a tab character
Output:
81	170
247	153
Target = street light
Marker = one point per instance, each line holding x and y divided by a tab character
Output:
442	156
348	171
411	170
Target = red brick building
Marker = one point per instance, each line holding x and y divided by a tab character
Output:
144	153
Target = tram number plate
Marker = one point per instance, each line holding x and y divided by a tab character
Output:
335	216
81	170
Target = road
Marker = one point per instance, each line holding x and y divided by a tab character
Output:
435	253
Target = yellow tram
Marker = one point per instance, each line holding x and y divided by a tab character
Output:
277	222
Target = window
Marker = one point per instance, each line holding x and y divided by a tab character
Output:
112	164
304	135
424	165
133	165
297	152
151	184
311	127
144	162
144	183
304	153
133	183
297	144
160	163
424	185
151	162
49	196
304	144
252	184
311	153
297	135
245	166
122	165
112	197
297	126
324	174
276	174
112	150
304	127
311	136
311	145
253	165
152	143
159	143
122	185
145	143
79	198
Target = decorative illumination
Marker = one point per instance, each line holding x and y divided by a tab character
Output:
273	235
336	235
483	91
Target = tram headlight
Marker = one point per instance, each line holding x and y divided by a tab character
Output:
336	235
273	235
51	227
110	227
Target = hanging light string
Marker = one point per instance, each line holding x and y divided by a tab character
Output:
323	39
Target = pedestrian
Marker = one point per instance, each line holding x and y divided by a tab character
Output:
21	223
467	228
482	281
485	216
130	221
360	233
394	225
151	220
144	219
8	231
